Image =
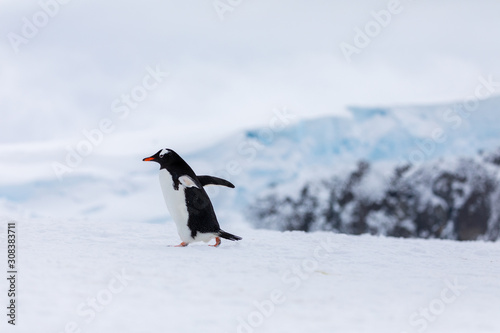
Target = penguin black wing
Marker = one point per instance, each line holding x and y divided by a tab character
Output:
210	180
200	210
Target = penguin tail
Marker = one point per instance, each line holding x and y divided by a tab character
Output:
229	236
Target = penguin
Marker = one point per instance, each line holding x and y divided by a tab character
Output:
187	201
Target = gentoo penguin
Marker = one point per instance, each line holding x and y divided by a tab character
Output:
187	201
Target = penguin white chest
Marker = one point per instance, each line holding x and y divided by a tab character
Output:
176	204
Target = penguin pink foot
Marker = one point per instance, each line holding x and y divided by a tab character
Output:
183	244
217	242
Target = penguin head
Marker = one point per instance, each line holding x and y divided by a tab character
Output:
165	157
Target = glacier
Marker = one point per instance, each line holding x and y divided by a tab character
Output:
121	187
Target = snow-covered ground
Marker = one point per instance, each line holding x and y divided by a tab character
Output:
101	276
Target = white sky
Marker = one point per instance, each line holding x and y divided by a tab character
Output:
229	74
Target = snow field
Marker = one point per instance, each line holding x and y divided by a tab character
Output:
96	276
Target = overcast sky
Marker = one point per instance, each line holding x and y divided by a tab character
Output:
228	70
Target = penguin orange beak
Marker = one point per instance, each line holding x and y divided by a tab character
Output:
147	159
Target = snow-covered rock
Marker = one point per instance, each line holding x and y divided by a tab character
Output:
452	198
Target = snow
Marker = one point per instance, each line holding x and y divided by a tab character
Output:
268	282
